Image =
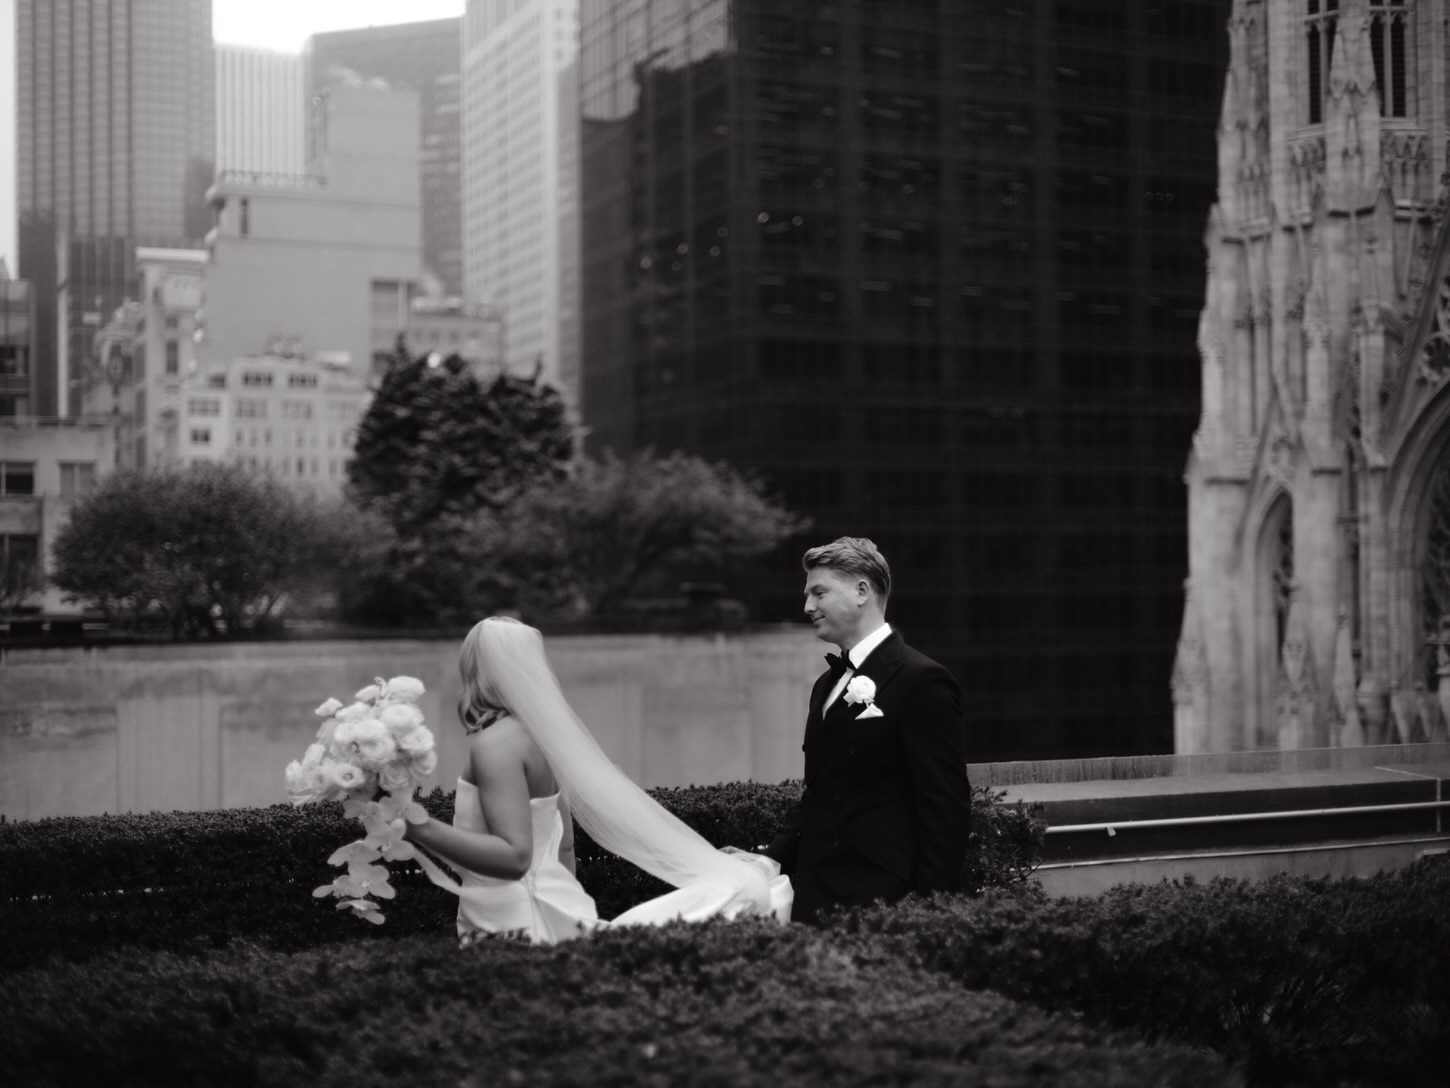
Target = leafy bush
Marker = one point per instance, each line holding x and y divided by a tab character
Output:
193	880
733	1004
1306	981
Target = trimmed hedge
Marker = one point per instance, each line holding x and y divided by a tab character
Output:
731	1004
1304	981
76	886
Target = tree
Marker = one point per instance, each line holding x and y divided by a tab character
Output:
437	441
581	545
204	547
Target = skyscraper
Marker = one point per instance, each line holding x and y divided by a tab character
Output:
934	271
519	110
115	144
424	58
260	116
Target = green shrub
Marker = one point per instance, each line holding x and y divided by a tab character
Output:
724	1003
187	880
1306	981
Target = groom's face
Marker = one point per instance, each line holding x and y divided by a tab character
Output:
833	603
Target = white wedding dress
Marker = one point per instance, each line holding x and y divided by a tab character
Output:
548	903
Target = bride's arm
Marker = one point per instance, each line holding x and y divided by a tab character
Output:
507	848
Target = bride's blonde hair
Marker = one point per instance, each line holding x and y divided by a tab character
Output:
480	703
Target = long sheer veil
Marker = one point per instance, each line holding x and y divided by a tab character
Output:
613	809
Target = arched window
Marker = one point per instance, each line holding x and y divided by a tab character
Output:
1320	24
1389	36
1435	581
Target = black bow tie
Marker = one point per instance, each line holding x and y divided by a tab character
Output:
839	662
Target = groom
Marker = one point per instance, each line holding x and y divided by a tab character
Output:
886	803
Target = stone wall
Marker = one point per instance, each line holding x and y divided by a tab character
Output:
191	727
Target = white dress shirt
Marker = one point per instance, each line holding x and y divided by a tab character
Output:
857	654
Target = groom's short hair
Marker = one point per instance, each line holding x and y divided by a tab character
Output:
855	556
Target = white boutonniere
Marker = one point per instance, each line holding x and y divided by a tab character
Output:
862	689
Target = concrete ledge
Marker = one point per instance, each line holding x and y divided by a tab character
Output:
1248	813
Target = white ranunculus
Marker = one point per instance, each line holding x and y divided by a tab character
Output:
328	709
414	741
407	688
396	778
296	780
313	756
354	731
368	694
861	689
355	710
347	776
375	749
401	717
425	762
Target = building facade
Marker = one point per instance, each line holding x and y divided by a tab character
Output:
260	110
144	354
424	58
280	414
1317	611
933	271
45	463
327	262
520	178
115	146
15	350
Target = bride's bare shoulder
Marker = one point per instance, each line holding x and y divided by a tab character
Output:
503	734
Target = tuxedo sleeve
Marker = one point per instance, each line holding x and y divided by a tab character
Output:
936	744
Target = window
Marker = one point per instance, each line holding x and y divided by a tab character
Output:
251	408
77	477
257	378
203	406
246	216
216	381
1387	35
17	477
302	381
201	436
20	556
173	357
1320	25
296	409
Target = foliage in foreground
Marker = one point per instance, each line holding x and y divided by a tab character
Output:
1305	981
73	887
739	1004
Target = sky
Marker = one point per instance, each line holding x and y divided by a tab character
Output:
273	24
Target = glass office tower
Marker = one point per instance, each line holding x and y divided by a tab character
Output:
115	140
933	269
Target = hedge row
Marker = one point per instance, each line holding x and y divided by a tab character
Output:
731	1004
196	880
1303	981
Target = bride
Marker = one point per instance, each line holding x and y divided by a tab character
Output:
532	769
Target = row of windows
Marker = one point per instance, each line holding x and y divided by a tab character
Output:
18	477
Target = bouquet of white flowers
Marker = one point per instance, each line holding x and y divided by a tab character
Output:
370	756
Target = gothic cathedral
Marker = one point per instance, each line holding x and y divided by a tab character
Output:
1317	608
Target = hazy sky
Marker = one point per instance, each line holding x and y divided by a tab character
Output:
275	24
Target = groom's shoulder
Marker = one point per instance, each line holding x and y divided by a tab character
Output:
919	662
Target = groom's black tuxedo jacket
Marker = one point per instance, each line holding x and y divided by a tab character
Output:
887	804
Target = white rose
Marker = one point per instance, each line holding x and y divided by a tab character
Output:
328	709
861	689
396	778
407	688
425	762
347	776
400	717
356	731
376	748
414	741
296	780
356	710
